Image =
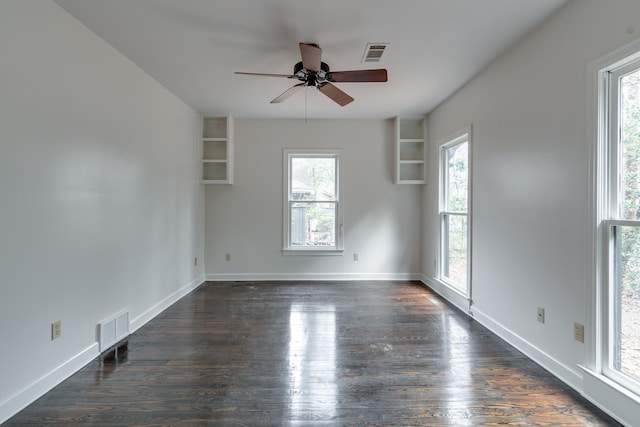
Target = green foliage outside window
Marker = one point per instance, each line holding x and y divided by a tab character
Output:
630	186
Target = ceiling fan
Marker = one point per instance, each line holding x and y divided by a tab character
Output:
312	72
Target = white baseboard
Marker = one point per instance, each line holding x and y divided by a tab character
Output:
265	277
571	377
455	298
161	306
611	398
35	390
29	394
574	379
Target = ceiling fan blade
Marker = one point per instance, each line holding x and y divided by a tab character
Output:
266	74
311	56
287	93
335	94
379	75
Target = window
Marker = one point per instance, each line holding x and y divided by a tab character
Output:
620	225
313	206
454	213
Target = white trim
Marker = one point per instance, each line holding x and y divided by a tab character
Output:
456	138
448	292
161	306
594	120
288	154
609	396
265	277
571	377
599	389
608	290
621	223
313	252
39	387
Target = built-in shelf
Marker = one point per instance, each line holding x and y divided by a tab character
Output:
410	150
216	153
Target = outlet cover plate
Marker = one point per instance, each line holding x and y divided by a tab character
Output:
578	332
56	330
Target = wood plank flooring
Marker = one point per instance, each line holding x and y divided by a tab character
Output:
312	354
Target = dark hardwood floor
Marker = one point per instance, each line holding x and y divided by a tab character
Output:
312	354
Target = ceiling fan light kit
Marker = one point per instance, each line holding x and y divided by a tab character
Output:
312	72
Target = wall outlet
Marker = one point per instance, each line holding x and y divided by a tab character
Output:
195	261
540	314
227	257
56	330
355	257
578	332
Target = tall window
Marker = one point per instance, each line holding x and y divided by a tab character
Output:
620	287
454	213
313	207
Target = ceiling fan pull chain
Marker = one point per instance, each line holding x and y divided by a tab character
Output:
311	71
306	94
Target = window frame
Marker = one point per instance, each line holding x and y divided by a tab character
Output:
458	138
608	300
602	107
612	218
287	247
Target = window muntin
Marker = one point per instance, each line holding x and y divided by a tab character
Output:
454	211
313	210
621	284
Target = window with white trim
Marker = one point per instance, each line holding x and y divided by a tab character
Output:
312	201
453	266
619	198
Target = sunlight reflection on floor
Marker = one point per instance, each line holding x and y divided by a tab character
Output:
312	363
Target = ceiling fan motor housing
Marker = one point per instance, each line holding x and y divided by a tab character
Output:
311	78
317	74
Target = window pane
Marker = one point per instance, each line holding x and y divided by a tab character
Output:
630	140
626	301
457	178
455	250
313	178
313	224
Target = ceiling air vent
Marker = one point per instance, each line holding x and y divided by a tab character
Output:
373	52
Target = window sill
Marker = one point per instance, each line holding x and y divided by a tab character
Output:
313	252
617	401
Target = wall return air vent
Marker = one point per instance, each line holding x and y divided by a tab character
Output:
113	329
373	52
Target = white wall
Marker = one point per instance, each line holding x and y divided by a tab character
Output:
530	180
382	220
100	208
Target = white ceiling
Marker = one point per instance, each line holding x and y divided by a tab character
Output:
193	47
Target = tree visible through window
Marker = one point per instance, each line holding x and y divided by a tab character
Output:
624	220
313	209
454	207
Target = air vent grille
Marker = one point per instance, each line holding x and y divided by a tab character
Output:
373	52
112	330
